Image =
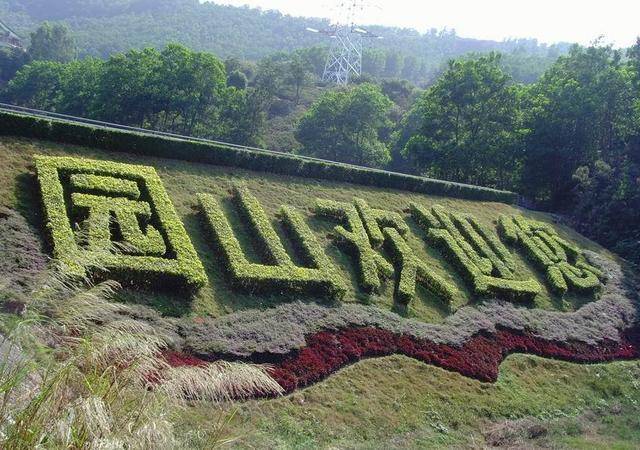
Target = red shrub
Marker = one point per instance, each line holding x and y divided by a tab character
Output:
479	358
178	359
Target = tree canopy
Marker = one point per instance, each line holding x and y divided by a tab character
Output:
346	125
467	125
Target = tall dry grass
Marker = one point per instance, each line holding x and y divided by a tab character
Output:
78	371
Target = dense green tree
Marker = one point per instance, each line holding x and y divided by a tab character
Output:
37	85
52	42
373	62
127	87
187	87
345	125
468	126
11	60
580	111
78	88
297	74
393	64
237	79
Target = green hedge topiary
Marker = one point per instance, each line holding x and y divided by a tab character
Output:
484	262
376	219
371	265
564	263
105	185
220	154
126	213
412	270
283	276
175	258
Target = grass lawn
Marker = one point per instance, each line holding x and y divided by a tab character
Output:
397	402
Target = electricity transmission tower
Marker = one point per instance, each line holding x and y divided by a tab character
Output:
9	38
345	55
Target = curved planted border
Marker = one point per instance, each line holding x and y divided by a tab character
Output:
307	342
478	358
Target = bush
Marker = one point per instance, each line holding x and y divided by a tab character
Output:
490	269
355	241
105	185
175	258
283	276
565	265
226	155
374	219
412	270
127	213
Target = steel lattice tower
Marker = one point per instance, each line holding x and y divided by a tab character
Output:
345	55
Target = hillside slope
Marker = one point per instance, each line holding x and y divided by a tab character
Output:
392	401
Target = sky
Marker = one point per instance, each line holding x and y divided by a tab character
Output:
548	21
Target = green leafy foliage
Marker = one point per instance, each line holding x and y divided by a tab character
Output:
466	125
581	110
280	274
87	182
374	219
354	239
127	213
564	263
160	253
52	42
345	125
411	271
485	263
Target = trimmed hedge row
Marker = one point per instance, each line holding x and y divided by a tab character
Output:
265	236
105	185
126	214
182	265
376	219
565	265
219	154
413	270
320	279
371	265
488	274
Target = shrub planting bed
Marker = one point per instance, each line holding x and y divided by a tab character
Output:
565	266
306	343
162	252
279	274
479	255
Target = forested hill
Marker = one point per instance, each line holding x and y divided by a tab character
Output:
103	27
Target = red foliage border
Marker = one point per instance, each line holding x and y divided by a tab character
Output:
479	358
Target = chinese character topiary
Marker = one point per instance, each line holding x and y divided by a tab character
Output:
355	240
479	255
565	265
115	204
278	273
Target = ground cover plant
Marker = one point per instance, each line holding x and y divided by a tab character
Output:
312	276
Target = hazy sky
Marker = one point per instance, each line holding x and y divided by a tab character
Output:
547	20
